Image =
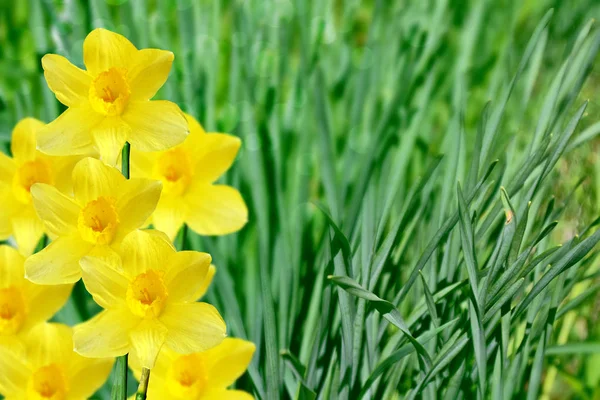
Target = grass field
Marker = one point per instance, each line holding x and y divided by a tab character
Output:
422	179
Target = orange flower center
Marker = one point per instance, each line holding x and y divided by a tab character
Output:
187	377
48	383
12	310
98	221
174	169
147	294
37	171
109	92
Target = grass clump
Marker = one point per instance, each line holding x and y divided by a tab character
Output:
422	183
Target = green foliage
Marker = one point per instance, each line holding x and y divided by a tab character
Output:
410	170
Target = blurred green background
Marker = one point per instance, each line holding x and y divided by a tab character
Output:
335	100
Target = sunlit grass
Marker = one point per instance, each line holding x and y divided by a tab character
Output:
404	165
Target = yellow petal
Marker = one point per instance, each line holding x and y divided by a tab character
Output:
70	84
169	215
103	280
103	49
213	154
109	138
149	71
7	169
194	125
58	211
137	201
227	394
193	327
28	229
23	144
155	125
87	375
215	209
186	274
44	301
11	266
142	163
92	179
14	372
207	281
228	361
143	250
58	263
147	339
70	133
10	207
49	343
105	335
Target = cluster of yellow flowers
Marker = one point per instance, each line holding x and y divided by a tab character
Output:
63	184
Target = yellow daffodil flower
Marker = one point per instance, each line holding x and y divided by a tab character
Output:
188	173
18	174
46	368
149	298
199	376
24	304
109	102
104	209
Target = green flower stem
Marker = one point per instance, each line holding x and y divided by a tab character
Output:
119	390
125	153
143	387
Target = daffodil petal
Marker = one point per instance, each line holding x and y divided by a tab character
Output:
147	339
27	230
59	212
49	343
215	209
142	163
193	327
228	361
109	138
44	301
92	179
103	49
207	281
103	280
213	154
148	72
70	84
143	250
7	168
23	143
155	125
14	372
10	208
70	133
169	215
227	394
194	125
87	375
137	201
11	266
105	335
58	263
186	275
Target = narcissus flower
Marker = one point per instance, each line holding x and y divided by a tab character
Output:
149	298
199	376
108	103
18	174
188	173
24	304
46	368
104	209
